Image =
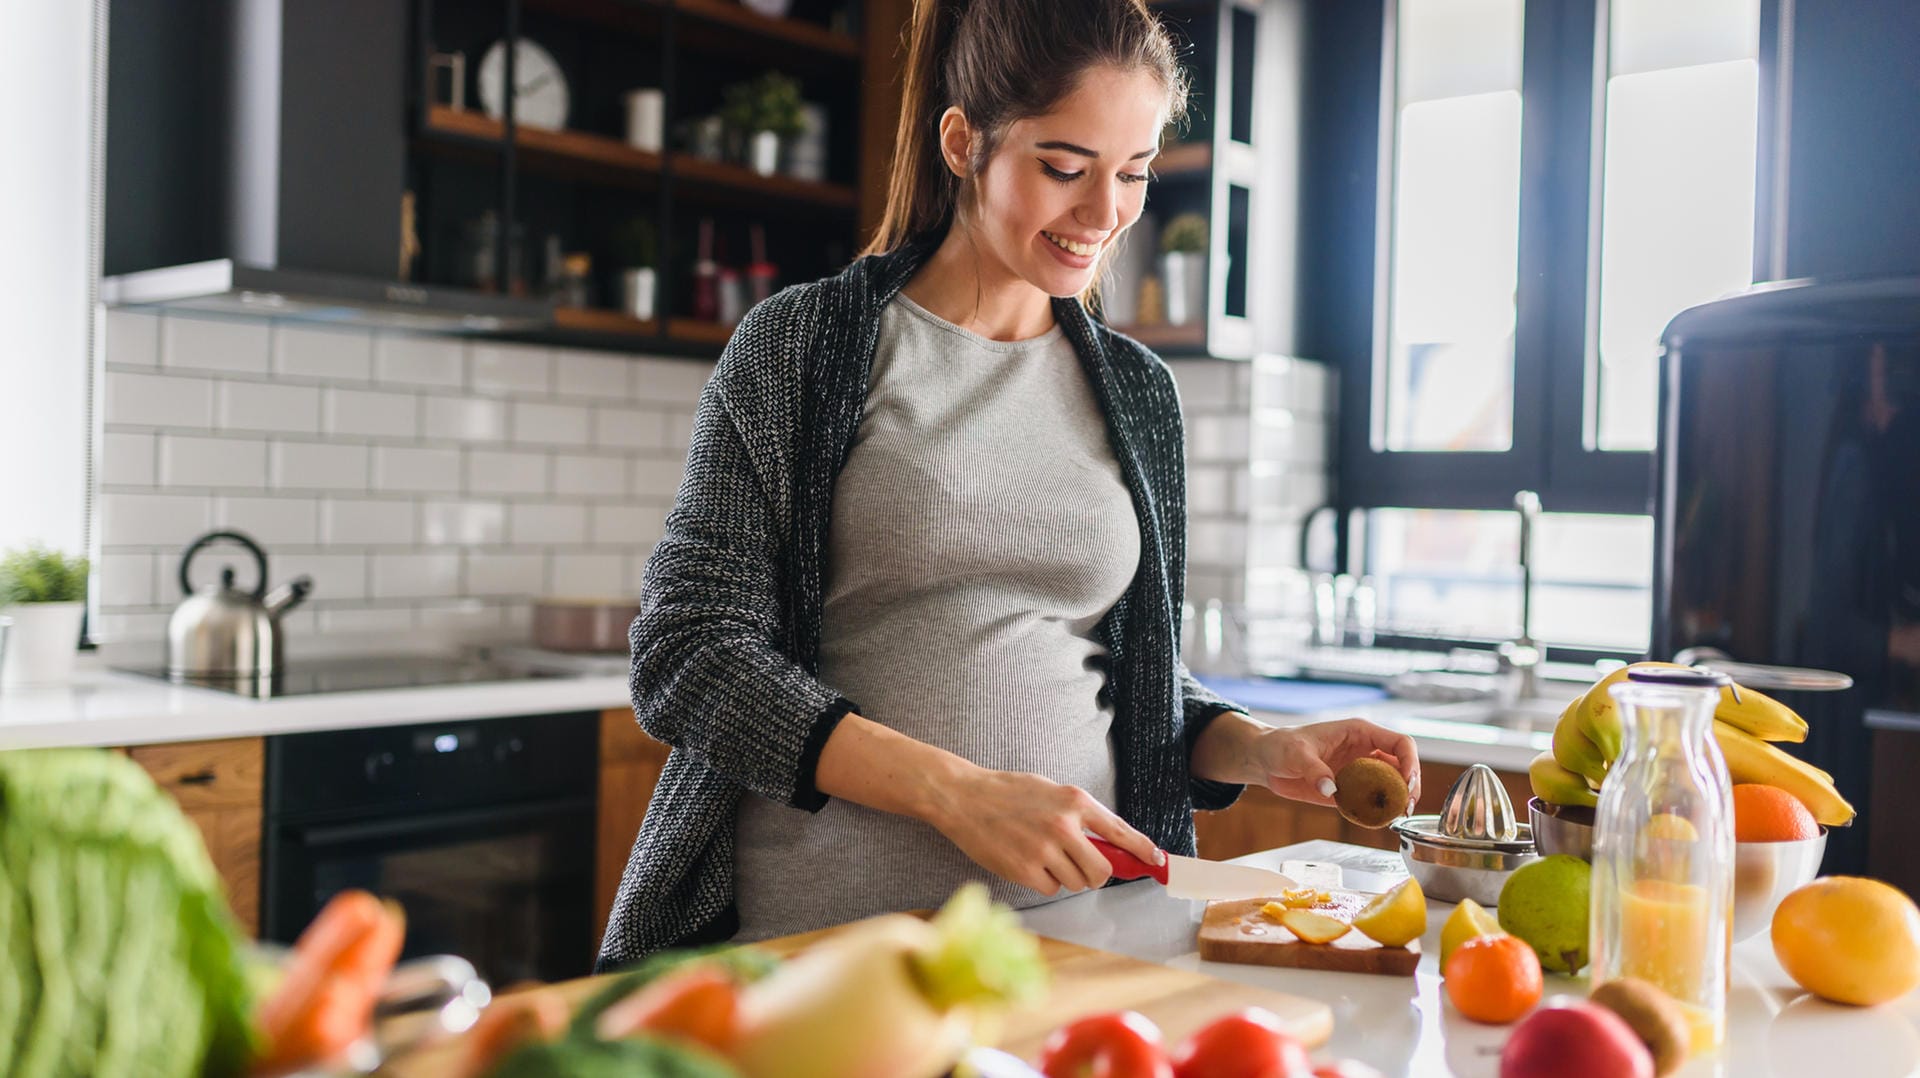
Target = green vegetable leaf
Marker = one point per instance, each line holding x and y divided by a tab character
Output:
984	954
633	1057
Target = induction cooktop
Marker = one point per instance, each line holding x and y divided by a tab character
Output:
362	674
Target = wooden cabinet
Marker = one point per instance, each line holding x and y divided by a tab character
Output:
218	786
1261	820
630	764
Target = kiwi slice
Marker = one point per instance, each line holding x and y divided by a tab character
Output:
1653	1017
1370	792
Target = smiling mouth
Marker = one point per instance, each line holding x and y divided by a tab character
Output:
1085	250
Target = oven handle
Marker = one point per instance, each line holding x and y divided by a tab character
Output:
336	834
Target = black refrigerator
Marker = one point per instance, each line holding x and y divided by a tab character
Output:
1787	520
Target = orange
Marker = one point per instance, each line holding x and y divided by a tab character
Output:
1494	979
1770	814
1850	940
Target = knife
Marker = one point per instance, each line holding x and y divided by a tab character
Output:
1191	877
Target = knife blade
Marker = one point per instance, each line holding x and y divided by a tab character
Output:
1192	877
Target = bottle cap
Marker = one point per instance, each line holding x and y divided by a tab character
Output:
1687	678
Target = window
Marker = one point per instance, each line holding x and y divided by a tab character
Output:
1558	179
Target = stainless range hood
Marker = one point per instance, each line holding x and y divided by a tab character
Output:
224	286
258	163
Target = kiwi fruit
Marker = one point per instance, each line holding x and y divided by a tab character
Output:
1653	1017
1370	793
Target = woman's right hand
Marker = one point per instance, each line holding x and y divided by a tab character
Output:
1033	831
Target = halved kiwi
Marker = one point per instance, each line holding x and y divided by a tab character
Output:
1370	792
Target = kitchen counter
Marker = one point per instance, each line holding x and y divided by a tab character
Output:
1403	1026
111	707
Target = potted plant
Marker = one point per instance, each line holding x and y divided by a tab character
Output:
45	594
635	252
1183	266
764	112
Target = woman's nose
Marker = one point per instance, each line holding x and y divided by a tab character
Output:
1101	208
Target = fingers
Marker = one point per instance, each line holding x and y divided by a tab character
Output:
1094	869
1106	823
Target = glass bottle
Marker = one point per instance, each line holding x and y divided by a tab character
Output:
1663	849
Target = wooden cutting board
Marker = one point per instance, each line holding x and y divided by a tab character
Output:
1084	981
1237	931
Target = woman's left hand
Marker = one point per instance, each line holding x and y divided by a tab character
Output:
1300	761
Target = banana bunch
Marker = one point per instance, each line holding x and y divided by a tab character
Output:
1588	737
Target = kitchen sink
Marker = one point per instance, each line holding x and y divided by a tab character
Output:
1526	716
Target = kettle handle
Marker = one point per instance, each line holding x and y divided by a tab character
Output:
259	560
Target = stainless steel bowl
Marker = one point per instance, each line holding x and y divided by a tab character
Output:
1766	872
1564	829
1450	869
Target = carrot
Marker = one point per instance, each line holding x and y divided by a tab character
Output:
508	1024
325	1000
700	1003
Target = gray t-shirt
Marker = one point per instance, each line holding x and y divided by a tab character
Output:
980	531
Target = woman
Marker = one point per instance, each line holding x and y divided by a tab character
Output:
914	617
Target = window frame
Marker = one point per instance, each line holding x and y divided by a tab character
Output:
1564	74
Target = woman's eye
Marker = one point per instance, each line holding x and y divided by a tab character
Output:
1056	174
1133	177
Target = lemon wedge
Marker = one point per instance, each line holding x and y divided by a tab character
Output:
1469	920
1313	927
1396	918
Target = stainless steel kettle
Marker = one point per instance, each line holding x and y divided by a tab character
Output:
221	633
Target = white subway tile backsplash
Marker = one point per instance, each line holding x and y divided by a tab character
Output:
592	374
547	525
461	617
114	628
1206	385
400	469
625	525
152	400
1220	438
133	337
124	580
506	472
214	344
589	476
128	460
415	576
319	466
510	369
335	576
1219	544
679	430
551	424
657	478
370	413
627	428
466	419
360	620
330	353
188	461
279	408
413	360
588	575
1209	491
506	574
271	521
366	522
463	523
164	520
670	381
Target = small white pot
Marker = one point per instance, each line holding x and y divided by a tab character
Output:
636	293
42	644
764	152
1185	274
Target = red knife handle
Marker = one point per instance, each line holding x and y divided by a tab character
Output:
1125	865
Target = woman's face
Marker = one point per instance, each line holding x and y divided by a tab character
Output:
1062	187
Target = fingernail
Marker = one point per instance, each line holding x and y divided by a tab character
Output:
1159	856
1326	787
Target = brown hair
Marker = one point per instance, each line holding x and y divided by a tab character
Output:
1001	61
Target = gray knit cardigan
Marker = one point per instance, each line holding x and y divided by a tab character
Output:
725	650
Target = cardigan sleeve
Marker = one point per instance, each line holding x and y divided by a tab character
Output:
1199	706
708	676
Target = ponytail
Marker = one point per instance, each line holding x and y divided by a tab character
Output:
1001	61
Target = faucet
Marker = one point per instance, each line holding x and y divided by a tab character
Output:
1522	656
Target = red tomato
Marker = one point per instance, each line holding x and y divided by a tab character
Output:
1346	1068
1246	1044
1119	1044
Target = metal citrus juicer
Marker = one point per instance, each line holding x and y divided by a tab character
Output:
1470	847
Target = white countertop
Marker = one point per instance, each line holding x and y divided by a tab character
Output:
110	707
1403	1026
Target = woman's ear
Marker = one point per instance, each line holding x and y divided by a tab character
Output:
956	140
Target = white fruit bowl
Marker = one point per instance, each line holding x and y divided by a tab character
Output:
1766	872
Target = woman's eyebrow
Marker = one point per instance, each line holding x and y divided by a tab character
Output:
1056	144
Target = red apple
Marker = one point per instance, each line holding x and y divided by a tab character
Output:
1576	1040
1346	1068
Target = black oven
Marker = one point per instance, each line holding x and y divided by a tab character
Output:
482	830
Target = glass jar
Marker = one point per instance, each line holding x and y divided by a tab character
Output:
1663	849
